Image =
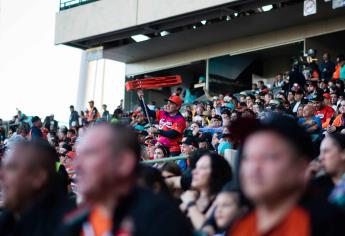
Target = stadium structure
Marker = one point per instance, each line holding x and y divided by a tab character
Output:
230	43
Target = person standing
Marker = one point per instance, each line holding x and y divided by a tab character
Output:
35	132
105	114
73	117
93	113
171	123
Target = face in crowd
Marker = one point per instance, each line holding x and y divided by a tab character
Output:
270	169
227	208
308	111
202	173
103	162
171	107
158	153
332	157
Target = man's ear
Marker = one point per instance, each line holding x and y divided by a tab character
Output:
40	178
126	164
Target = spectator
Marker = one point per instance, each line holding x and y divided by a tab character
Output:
35	132
32	198
326	67
334	100
310	122
271	150
209	176
93	113
107	179
340	63
278	81
338	124
229	205
333	159
105	113
73	117
160	152
298	101
171	123
324	112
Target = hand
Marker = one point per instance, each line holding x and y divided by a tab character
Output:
153	130
313	168
189	196
331	129
140	93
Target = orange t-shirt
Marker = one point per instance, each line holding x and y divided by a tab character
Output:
98	224
336	74
296	223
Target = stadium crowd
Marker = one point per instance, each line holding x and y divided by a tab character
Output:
267	161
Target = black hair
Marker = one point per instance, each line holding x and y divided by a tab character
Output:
220	172
164	149
225	111
172	167
151	177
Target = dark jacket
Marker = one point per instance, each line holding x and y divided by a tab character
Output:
42	218
150	214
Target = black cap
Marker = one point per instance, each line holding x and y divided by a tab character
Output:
317	98
190	141
35	119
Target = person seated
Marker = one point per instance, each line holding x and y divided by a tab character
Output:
33	199
310	122
229	206
210	174
324	112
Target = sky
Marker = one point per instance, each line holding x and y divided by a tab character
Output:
36	76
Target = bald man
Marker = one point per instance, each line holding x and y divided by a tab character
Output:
107	163
32	198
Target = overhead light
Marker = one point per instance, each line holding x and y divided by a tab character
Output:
203	22
235	14
267	8
140	37
228	18
194	26
164	33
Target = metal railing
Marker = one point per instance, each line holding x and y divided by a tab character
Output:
165	160
67	4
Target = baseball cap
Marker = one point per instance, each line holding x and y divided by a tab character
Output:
175	99
327	96
190	141
316	98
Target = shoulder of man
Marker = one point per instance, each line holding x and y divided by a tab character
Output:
168	222
325	218
77	216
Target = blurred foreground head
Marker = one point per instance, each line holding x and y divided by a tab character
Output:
275	154
28	171
107	159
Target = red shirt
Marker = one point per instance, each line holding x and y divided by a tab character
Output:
167	122
325	113
296	223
